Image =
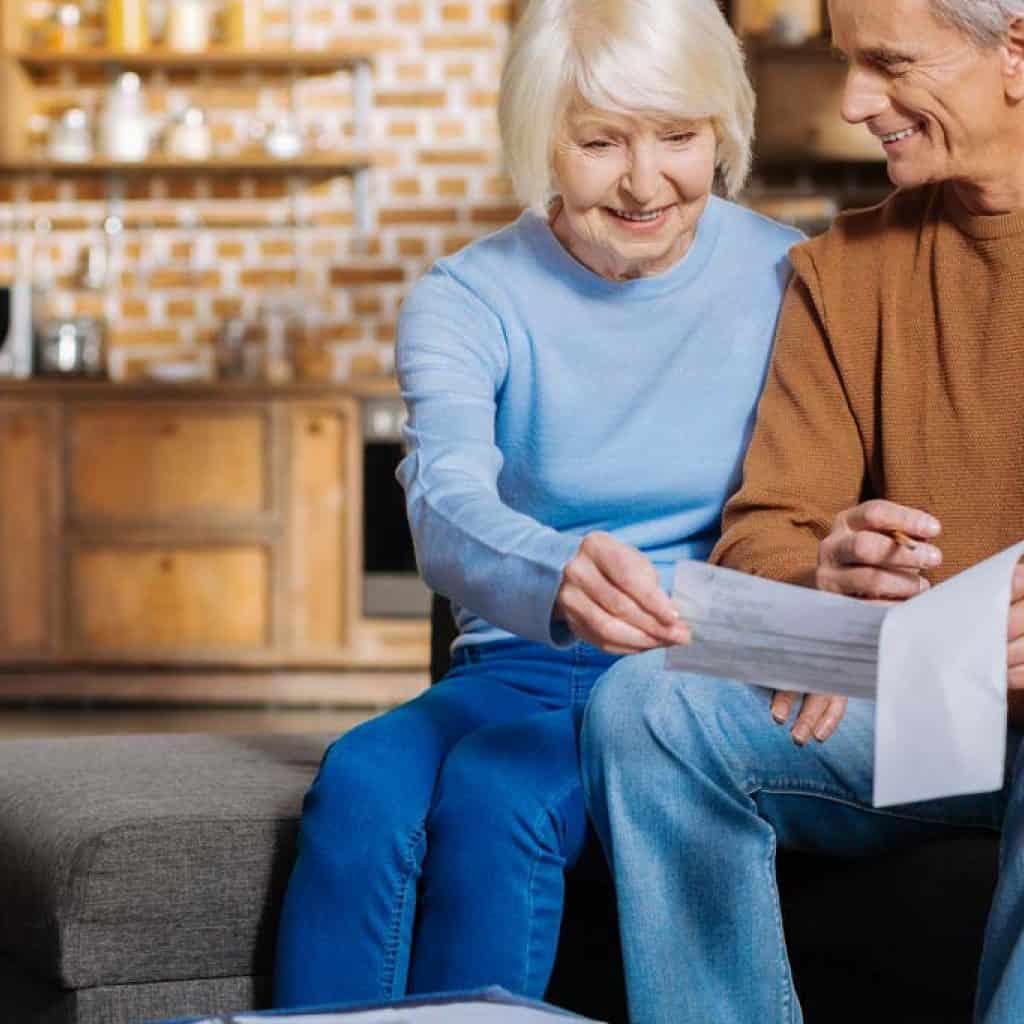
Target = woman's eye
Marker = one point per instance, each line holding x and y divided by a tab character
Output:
680	138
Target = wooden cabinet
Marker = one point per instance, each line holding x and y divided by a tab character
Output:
323	529
171	601
219	528
27	530
168	462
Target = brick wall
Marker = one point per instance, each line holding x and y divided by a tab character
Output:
199	249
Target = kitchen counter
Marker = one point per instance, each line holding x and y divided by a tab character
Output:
66	387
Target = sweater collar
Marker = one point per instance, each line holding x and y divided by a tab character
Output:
979	226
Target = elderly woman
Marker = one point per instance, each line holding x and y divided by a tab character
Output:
581	388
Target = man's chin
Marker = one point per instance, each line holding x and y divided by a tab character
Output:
907	175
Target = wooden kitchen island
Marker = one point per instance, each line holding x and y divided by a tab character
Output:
198	542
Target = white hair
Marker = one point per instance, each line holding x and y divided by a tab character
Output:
985	21
668	58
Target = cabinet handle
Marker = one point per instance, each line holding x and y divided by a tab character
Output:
316	428
167	564
169	430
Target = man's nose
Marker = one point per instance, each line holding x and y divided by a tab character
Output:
864	96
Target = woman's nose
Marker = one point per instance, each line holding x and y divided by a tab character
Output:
641	180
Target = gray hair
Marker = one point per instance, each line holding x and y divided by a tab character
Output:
674	58
984	21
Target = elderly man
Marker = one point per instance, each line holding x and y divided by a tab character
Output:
895	402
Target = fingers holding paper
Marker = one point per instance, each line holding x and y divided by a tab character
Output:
610	597
878	550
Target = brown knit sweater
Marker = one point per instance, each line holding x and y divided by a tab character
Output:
898	373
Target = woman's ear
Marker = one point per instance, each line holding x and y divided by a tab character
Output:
1012	49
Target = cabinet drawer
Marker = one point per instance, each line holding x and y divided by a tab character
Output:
180	600
145	464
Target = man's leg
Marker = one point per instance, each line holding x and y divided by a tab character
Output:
691	786
1001	978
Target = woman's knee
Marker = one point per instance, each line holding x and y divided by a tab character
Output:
495	784
369	781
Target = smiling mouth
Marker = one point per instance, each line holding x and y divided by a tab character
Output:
904	133
644	217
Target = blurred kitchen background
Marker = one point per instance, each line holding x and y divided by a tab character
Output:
210	211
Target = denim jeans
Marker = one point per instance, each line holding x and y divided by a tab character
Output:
691	786
434	839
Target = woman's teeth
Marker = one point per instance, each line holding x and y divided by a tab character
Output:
905	134
653	215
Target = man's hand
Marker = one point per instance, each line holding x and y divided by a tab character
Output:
610	597
860	558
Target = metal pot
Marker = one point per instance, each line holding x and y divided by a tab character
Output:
73	347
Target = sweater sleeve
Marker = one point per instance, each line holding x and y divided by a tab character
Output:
504	566
806	460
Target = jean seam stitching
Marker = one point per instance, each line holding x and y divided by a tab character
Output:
848	800
785	980
387	977
530	891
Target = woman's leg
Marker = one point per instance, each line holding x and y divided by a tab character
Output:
508	820
347	919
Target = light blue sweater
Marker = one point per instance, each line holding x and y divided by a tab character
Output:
546	402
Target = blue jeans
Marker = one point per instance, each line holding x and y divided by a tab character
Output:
434	838
691	786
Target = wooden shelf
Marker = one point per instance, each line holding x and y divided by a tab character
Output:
337	58
320	164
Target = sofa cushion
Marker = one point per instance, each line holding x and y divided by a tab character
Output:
137	859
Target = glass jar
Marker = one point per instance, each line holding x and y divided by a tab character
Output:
189	25
127	25
71	138
126	126
65	29
189	137
243	24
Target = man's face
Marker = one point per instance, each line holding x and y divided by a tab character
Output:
935	100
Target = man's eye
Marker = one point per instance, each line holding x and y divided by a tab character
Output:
598	144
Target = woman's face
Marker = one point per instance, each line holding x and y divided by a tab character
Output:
632	188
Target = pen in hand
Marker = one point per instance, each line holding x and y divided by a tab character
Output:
903	540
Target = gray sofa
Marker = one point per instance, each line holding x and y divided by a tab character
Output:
141	876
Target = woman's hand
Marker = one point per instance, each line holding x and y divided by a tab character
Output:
860	558
610	597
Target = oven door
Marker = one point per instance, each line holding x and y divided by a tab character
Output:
392	587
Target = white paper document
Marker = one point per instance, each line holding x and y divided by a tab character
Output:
935	665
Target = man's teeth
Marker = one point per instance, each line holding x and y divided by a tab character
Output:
653	215
896	136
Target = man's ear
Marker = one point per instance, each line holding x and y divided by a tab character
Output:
1012	49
